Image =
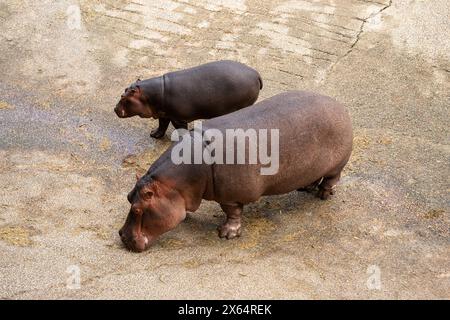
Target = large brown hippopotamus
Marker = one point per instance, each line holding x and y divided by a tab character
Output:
203	92
315	143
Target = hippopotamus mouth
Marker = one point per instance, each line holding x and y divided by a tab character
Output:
133	237
136	243
120	112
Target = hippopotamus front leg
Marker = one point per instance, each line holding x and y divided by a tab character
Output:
162	128
232	226
179	124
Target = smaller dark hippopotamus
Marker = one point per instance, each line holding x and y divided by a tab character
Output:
314	144
203	92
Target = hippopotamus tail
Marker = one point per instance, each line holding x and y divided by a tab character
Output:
260	82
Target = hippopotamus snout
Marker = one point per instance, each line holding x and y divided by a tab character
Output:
134	242
132	234
120	111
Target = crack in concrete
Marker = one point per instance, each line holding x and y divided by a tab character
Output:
441	68
359	34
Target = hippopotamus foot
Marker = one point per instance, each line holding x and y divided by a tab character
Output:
232	226
230	229
326	187
159	132
324	194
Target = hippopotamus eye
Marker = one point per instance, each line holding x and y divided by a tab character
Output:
146	195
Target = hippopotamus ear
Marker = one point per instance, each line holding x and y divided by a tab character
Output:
136	92
138	89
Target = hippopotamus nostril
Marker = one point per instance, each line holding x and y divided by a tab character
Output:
137	211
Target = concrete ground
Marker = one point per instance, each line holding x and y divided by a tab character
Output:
67	162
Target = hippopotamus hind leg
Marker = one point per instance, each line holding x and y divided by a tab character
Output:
232	226
326	187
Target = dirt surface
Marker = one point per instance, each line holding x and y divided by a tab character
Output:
67	162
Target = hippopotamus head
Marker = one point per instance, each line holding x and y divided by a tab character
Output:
155	209
133	103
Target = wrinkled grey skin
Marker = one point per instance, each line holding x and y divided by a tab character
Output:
315	145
